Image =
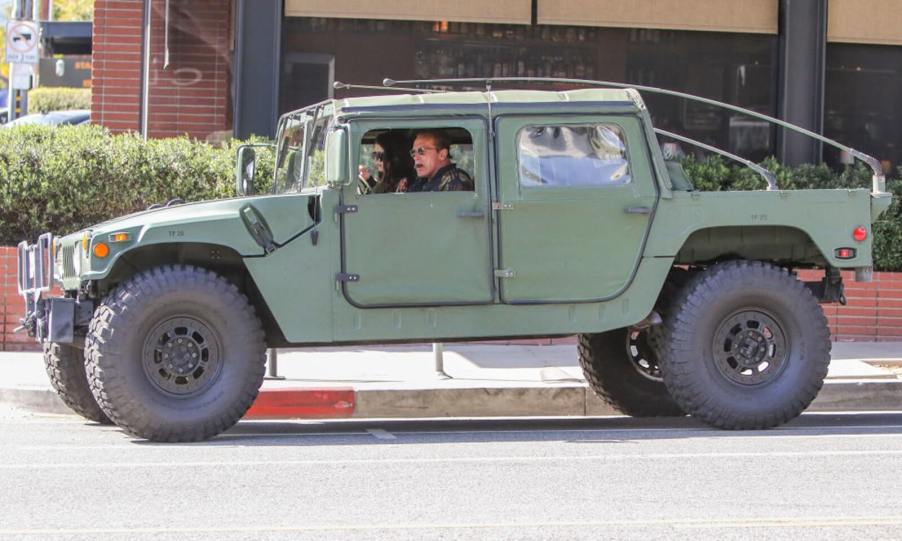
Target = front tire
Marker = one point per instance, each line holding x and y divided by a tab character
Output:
175	354
65	366
748	346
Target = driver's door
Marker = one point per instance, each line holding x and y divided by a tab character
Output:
418	249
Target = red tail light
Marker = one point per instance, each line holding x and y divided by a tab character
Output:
860	233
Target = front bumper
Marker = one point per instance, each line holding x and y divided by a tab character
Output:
47	319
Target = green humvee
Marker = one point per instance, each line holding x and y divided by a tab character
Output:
684	301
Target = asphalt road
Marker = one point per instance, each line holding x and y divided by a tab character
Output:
824	476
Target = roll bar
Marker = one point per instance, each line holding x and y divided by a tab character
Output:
765	173
878	178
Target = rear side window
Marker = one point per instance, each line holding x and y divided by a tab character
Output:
574	156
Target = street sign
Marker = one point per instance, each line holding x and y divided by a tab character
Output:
22	42
21	76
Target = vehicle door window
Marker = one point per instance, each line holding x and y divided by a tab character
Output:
572	156
411	160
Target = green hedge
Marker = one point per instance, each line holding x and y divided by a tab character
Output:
713	174
63	179
43	100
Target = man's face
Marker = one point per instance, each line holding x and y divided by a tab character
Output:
426	158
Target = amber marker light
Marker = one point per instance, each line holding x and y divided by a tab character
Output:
119	237
101	250
860	233
84	241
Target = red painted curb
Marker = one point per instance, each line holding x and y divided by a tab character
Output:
303	403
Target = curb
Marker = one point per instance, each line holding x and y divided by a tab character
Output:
560	401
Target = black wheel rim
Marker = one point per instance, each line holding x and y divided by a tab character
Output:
750	348
642	355
182	356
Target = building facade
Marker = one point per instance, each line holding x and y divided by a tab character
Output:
214	68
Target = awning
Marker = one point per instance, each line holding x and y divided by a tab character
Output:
876	22
745	16
479	11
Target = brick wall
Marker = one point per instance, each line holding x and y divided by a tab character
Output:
873	312
191	95
116	64
12	306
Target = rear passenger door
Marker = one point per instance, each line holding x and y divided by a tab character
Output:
576	197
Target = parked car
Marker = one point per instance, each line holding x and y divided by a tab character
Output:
571	222
74	117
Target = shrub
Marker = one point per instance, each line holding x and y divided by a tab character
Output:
44	100
62	179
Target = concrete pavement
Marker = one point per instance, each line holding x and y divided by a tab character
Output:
485	381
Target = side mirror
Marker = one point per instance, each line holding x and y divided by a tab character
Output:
245	170
337	157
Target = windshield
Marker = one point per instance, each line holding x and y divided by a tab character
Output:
295	167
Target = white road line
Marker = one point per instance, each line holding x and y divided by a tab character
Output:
225	444
447	460
789	522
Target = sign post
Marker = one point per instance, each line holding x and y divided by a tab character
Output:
22	40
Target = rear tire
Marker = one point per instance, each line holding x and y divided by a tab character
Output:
621	367
175	354
748	346
65	365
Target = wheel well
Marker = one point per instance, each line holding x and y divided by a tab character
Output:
222	260
782	245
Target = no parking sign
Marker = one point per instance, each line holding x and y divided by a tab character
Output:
22	42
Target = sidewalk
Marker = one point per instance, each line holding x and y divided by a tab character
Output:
485	380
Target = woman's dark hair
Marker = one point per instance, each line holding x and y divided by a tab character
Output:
397	162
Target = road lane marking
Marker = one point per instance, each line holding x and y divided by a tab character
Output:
443	460
702	523
380	434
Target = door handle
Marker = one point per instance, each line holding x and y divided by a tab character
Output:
637	210
470	214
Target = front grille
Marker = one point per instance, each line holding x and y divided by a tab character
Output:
69	262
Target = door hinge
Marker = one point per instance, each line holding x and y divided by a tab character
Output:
504	273
345	209
497	205
347	277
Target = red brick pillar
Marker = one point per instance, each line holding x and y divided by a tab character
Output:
116	64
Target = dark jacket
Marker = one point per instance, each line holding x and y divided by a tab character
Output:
446	179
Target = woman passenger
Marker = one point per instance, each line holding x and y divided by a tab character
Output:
394	166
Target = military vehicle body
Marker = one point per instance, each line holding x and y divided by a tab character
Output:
684	301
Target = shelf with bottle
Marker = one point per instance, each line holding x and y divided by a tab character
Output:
451	62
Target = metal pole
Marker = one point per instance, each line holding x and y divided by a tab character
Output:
272	371
145	71
438	351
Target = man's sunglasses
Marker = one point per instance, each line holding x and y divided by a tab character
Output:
420	151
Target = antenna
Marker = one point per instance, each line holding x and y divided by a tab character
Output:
338	85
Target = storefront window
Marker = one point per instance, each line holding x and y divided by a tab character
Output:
736	68
861	106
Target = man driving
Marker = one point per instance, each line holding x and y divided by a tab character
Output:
431	154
